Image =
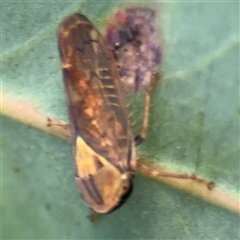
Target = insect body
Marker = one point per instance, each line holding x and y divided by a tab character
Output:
103	144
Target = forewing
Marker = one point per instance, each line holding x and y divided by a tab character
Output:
96	103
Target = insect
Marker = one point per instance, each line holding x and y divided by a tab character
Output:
103	144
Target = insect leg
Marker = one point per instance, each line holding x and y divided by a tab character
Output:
51	123
143	134
210	185
145	170
63	125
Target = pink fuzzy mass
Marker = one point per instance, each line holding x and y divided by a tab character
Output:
133	38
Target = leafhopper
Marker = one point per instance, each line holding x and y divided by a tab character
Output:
103	143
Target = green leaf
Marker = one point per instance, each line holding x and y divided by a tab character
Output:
194	127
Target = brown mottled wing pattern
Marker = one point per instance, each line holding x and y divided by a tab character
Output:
96	103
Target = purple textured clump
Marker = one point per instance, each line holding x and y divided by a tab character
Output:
133	38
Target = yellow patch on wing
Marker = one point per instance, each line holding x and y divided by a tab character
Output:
87	160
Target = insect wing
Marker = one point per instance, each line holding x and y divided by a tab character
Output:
101	136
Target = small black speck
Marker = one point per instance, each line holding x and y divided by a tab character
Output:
17	170
48	206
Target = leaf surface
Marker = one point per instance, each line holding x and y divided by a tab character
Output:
194	126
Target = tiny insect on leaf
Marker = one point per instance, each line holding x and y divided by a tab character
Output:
103	144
